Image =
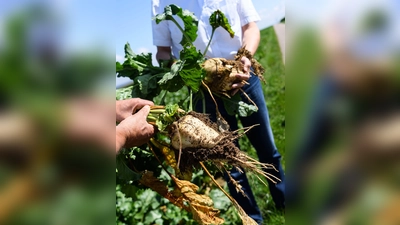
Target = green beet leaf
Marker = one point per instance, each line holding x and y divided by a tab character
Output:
168	116
245	109
192	73
218	19
189	20
171	81
235	105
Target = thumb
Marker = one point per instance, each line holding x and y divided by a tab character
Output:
143	112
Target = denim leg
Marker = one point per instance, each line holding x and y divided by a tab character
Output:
262	139
248	202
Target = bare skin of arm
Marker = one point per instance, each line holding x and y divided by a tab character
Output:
251	37
163	53
251	40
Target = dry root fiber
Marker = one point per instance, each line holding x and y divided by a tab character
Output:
197	139
184	196
194	140
221	74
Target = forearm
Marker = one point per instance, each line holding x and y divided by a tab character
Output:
163	53
251	37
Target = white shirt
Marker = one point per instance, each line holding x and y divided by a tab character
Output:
238	13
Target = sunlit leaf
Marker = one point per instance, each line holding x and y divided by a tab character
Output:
218	19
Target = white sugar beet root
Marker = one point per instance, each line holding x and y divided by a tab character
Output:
191	132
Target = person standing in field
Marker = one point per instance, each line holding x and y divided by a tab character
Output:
242	17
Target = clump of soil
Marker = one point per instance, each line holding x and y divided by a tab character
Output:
221	73
257	67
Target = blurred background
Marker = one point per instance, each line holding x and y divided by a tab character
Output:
343	114
57	93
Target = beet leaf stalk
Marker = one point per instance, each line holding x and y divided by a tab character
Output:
163	116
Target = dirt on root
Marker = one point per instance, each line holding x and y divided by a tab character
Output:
257	67
220	74
225	151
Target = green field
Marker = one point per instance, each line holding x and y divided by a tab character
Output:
269	55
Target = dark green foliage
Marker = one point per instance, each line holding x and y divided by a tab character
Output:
192	73
140	69
172	81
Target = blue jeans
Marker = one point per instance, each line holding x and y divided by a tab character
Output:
261	138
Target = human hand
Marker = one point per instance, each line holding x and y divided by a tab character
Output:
242	77
134	130
125	108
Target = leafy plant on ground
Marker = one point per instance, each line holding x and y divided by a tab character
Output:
157	83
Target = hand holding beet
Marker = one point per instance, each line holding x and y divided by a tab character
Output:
125	108
243	76
134	130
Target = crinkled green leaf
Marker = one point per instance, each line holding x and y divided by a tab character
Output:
231	104
246	109
171	110
152	216
170	115
124	93
192	73
235	105
161	125
145	88
124	172
218	19
143	59
189	20
118	66
139	68
128	51
146	84
136	64
171	81
192	77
